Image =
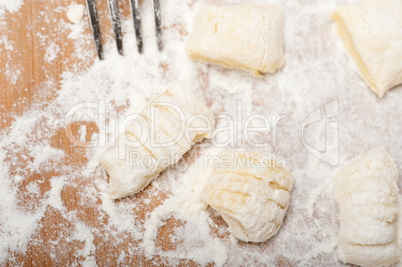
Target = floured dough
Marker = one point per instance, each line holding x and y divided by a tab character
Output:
372	33
158	138
252	198
239	37
367	194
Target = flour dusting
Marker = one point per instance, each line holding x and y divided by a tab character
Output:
41	182
10	6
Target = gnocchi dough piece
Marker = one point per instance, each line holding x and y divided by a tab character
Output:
366	191
250	192
239	37
371	31
156	139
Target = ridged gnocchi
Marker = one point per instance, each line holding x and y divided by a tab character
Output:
156	139
252	197
366	191
244	37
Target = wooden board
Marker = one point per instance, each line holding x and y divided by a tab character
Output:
30	79
34	82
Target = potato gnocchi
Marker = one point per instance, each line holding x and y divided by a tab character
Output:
158	138
366	191
252	197
239	37
371	31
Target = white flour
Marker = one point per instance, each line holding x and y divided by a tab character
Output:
10	6
317	71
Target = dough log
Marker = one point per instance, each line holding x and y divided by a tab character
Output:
366	191
156	139
250	192
371	31
239	37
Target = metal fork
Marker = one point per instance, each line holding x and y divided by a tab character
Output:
116	23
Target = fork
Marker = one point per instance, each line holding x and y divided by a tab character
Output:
116	23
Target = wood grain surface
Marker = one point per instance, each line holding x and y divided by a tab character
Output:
30	79
27	81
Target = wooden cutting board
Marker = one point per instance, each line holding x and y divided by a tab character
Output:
29	79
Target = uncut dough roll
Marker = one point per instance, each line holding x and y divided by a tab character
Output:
252	197
371	31
156	139
239	37
366	191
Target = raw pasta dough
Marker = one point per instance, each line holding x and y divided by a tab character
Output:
366	192
239	37
372	33
158	138
252	197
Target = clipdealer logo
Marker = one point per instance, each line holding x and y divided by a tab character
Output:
327	117
231	131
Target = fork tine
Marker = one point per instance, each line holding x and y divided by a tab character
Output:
135	9
116	22
158	22
93	15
